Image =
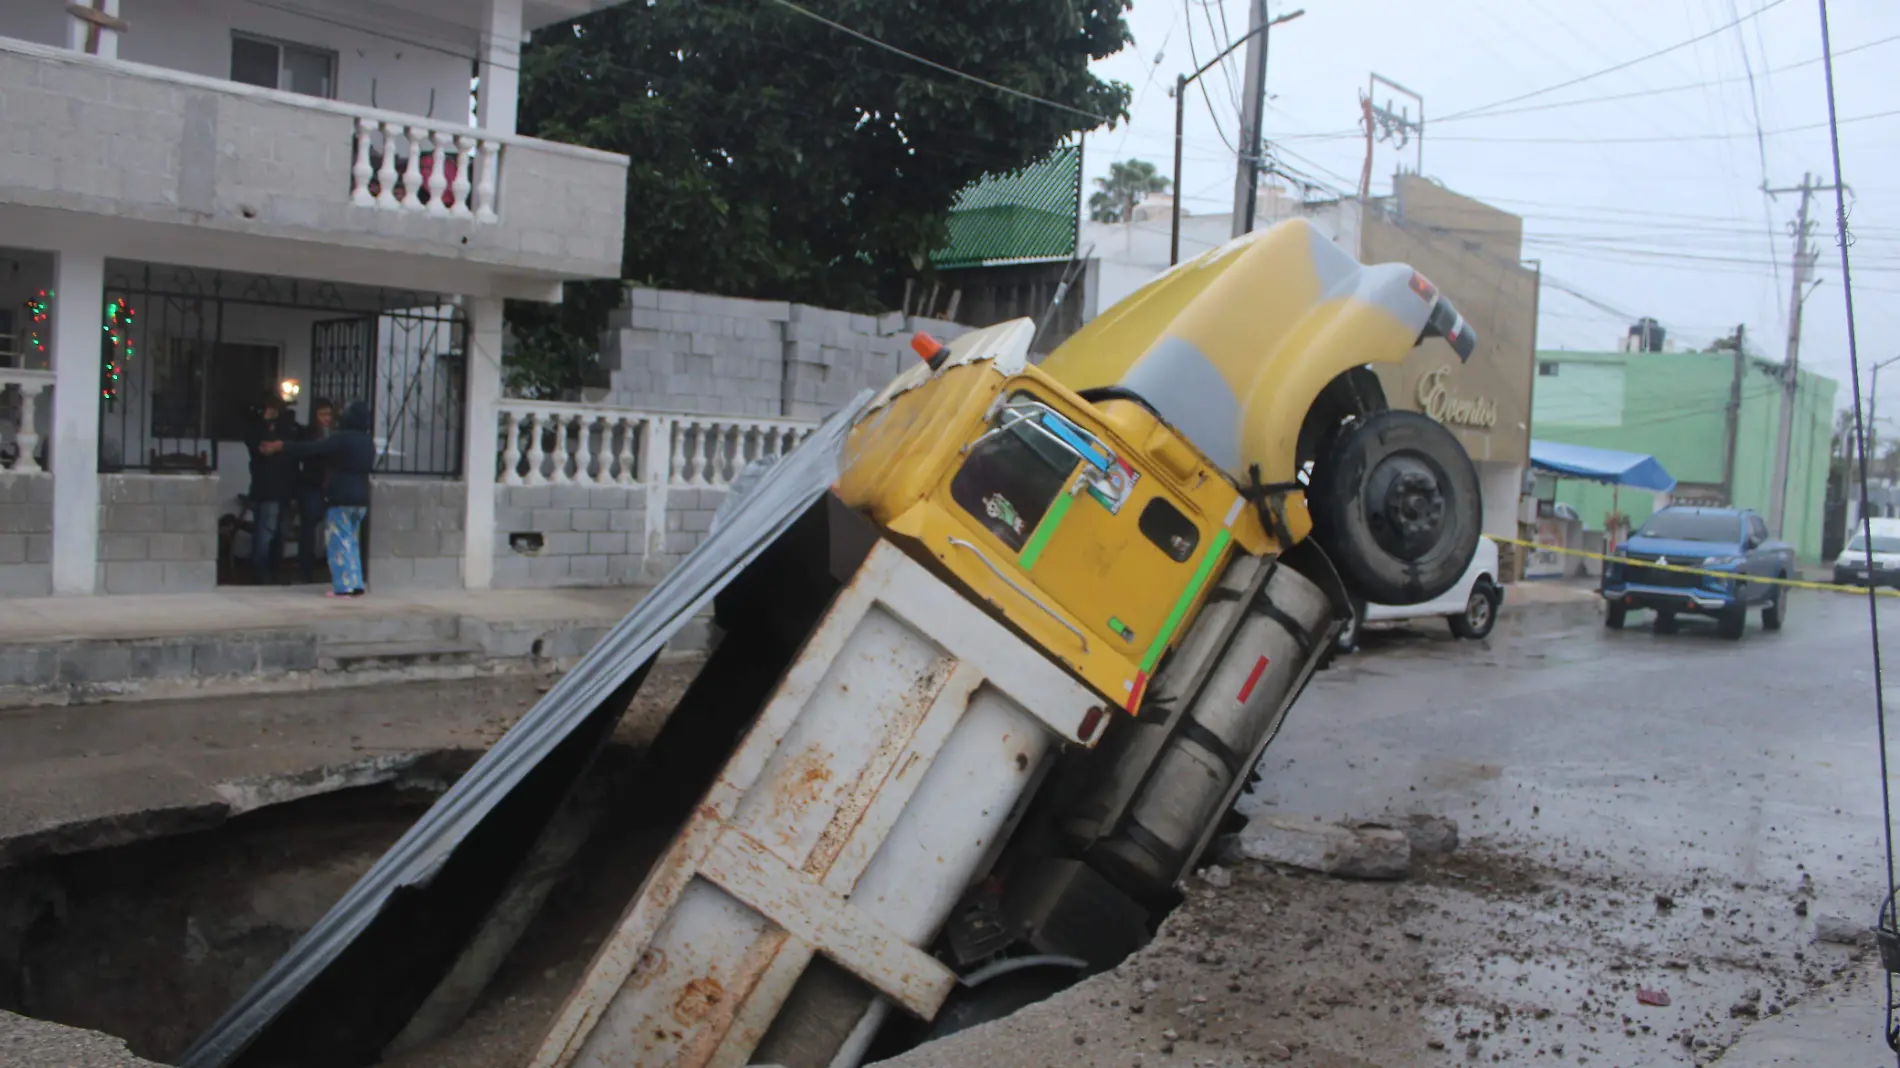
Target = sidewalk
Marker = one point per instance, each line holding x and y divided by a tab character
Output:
1839	1027
65	650
1528	593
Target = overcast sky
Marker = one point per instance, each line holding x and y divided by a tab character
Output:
1646	205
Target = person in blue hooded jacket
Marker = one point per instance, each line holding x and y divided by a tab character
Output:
349	454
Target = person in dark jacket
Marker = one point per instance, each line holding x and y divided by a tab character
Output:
311	508
273	484
350	455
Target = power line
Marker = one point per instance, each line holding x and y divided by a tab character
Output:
1626	64
952	71
1673	139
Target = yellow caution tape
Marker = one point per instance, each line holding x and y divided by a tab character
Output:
1798	584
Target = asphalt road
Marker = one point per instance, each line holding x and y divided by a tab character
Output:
1625	750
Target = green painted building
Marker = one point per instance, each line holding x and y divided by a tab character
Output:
1674	406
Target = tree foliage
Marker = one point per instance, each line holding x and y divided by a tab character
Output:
1126	185
779	158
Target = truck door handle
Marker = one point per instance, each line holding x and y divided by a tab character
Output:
1027	596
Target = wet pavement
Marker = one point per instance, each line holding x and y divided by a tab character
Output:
1620	752
1646	818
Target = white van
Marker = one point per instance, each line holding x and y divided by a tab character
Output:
1470	607
1851	567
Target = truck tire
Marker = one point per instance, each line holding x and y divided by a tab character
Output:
1665	621
1480	614
1776	611
1396	504
1614	615
1733	622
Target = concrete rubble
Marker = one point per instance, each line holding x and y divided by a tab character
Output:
1366	851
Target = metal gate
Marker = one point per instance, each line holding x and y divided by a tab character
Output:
343	359
411	367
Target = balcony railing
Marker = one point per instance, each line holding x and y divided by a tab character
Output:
596	445
396	170
162	146
22	394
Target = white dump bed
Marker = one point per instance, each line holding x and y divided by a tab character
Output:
874	786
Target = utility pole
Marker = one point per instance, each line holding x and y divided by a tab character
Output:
1804	259
1734	417
1253	108
1254	35
1253	96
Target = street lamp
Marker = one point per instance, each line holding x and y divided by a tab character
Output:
1181	82
1873	402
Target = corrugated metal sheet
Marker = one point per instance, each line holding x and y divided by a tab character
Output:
1027	214
412	863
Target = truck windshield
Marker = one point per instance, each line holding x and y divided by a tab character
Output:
1010	479
1883	543
1693	526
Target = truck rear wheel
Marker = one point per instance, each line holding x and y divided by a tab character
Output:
1396	504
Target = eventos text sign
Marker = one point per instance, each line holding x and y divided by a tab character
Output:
1436	399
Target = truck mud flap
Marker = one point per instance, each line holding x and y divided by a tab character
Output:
797	904
353	981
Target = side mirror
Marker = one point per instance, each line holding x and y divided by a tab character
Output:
1751	542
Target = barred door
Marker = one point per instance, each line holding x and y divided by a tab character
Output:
343	360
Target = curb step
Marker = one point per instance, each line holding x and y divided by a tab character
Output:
350	656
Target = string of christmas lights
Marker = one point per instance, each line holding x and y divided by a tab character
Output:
38	312
118	328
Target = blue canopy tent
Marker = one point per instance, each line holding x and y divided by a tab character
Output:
1633	469
1610	466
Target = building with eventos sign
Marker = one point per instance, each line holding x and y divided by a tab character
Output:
1468	249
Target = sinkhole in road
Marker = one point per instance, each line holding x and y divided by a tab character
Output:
151	942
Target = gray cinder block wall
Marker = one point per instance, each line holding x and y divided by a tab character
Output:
415	533
673	351
26	535
157	533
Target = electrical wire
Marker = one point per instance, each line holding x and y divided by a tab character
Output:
1845	241
1761	154
1671	139
1612	69
952	71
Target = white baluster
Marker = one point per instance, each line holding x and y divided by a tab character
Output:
511	450
466	162
535	455
584	450
623	462
489	203
751	441
768	441
734	455
680	464
557	468
392	133
438	178
360	173
709	437
412	170
27	439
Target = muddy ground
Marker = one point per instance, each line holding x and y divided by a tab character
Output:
1481	957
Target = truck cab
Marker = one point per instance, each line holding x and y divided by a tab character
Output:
1698	561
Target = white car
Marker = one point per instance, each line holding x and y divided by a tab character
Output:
1851	568
1470	607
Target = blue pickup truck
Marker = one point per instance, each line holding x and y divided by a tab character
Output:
1733	541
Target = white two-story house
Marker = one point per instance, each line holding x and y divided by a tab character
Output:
207	202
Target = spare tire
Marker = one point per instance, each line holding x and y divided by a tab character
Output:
1396	505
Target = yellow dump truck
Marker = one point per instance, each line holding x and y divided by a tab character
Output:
1000	648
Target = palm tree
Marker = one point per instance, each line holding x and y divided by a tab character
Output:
1127	185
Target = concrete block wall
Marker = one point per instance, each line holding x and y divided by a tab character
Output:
548	536
89	135
674	351
26	535
415	533
157	533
